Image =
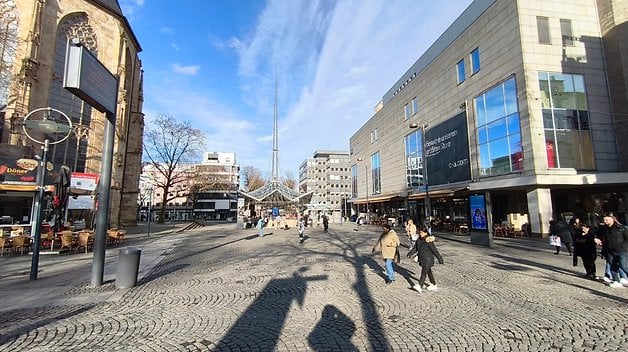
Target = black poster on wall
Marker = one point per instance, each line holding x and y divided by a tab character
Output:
447	151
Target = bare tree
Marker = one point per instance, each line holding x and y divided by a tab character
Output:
252	178
289	180
169	146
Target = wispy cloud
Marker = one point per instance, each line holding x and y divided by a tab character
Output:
186	70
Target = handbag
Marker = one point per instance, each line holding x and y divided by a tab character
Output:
555	241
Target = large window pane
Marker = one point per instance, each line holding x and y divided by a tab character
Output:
544	89
485	160
480	112
579	92
568	149
510	95
548	119
497	129
565	119
562	91
588	159
550	150
475	60
583	119
500	156
482	135
494	100
513	124
516	152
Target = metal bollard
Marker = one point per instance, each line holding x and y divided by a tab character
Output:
128	267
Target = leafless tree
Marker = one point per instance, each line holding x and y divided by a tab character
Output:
252	178
170	146
289	180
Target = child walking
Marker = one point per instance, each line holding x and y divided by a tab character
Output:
426	250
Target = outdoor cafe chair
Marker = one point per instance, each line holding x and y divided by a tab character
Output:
5	245
20	243
85	240
67	241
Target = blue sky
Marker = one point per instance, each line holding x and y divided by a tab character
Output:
213	63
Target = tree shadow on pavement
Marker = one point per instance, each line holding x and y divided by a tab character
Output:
256	329
333	331
32	315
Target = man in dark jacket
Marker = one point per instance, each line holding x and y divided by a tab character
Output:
614	241
561	229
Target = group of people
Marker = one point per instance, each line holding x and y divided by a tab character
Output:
422	249
612	236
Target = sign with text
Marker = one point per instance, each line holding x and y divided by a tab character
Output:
477	204
447	151
89	79
24	170
82	183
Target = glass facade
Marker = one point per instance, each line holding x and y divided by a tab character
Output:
498	130
376	173
354	181
414	160
568	141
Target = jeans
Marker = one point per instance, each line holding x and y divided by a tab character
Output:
616	264
390	271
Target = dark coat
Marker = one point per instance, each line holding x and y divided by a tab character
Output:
584	245
614	239
426	250
564	232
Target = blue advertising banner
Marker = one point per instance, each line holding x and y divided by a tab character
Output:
477	204
447	151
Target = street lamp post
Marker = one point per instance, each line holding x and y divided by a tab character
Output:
428	203
54	130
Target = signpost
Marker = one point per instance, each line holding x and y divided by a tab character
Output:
44	126
89	79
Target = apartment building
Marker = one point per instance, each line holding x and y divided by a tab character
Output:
328	176
516	112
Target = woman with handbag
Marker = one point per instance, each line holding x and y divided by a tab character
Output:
388	244
426	250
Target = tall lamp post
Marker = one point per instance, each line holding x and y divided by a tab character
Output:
428	203
54	129
366	180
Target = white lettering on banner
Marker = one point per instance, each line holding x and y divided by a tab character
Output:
439	144
457	163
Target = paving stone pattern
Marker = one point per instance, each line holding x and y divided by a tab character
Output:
225	289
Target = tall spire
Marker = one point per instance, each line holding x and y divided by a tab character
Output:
275	165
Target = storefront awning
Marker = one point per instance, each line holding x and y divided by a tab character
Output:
374	199
441	193
23	188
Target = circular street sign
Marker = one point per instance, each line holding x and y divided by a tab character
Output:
54	125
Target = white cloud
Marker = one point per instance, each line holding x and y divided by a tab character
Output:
186	70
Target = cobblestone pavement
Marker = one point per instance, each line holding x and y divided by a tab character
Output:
223	289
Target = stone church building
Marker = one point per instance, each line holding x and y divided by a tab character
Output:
34	37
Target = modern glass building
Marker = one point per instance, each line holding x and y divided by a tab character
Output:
517	112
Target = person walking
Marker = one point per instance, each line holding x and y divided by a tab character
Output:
585	248
561	229
301	229
614	242
426	250
325	223
260	226
388	245
411	233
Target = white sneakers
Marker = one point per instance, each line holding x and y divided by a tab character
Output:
607	279
429	288
615	284
623	281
